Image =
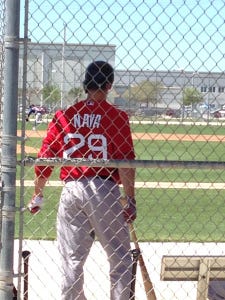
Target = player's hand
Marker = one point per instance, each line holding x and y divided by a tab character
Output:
129	209
35	204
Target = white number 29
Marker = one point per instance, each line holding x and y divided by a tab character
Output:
91	142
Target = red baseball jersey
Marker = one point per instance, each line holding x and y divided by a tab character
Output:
91	130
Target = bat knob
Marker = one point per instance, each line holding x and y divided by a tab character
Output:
135	253
25	254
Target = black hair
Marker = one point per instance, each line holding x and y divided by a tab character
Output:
98	74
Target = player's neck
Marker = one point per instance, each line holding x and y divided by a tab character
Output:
97	96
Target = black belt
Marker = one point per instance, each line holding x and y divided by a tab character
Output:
97	176
105	177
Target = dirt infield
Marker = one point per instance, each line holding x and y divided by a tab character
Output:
137	136
149	136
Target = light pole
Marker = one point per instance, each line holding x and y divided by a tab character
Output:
129	90
193	76
53	77
156	93
193	86
208	108
63	65
182	87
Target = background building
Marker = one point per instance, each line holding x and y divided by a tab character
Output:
60	65
63	65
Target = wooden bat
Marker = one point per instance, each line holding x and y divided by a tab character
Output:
135	254
14	293
25	255
149	289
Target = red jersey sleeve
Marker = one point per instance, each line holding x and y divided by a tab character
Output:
122	140
51	145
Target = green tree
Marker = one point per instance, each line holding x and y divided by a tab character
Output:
191	96
75	93
144	92
51	94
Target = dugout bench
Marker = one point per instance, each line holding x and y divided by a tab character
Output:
193	268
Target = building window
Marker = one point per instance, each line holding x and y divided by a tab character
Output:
212	89
221	89
203	89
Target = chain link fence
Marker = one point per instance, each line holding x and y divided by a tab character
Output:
168	58
2	14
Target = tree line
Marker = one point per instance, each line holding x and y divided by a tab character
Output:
147	92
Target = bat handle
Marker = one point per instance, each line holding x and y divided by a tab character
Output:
14	293
135	255
147	282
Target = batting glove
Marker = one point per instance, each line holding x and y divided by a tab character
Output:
35	204
129	210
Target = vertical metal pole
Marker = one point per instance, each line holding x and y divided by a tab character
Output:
63	65
23	127
9	142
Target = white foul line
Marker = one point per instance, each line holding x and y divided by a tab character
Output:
150	185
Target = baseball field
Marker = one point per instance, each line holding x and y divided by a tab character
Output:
174	204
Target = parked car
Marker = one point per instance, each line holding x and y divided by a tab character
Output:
217	114
173	113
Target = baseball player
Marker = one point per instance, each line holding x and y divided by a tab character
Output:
216	290
37	111
90	200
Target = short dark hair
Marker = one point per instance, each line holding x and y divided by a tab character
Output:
98	74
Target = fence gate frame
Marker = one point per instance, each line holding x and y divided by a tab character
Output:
9	147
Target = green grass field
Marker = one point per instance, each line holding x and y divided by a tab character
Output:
178	129
163	214
171	215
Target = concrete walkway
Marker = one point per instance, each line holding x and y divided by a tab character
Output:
45	274
44	270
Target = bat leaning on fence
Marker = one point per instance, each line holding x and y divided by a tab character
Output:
25	256
135	255
149	289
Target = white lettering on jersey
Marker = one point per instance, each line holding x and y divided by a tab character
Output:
96	143
88	120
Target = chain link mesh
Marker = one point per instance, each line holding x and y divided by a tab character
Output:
168	58
2	16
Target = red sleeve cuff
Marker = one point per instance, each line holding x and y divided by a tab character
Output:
43	171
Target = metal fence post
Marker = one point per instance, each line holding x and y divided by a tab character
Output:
9	142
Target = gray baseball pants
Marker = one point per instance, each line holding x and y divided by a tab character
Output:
87	205
216	290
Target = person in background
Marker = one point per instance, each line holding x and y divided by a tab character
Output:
37	111
90	199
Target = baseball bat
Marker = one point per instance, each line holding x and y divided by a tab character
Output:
25	255
14	293
149	289
135	254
